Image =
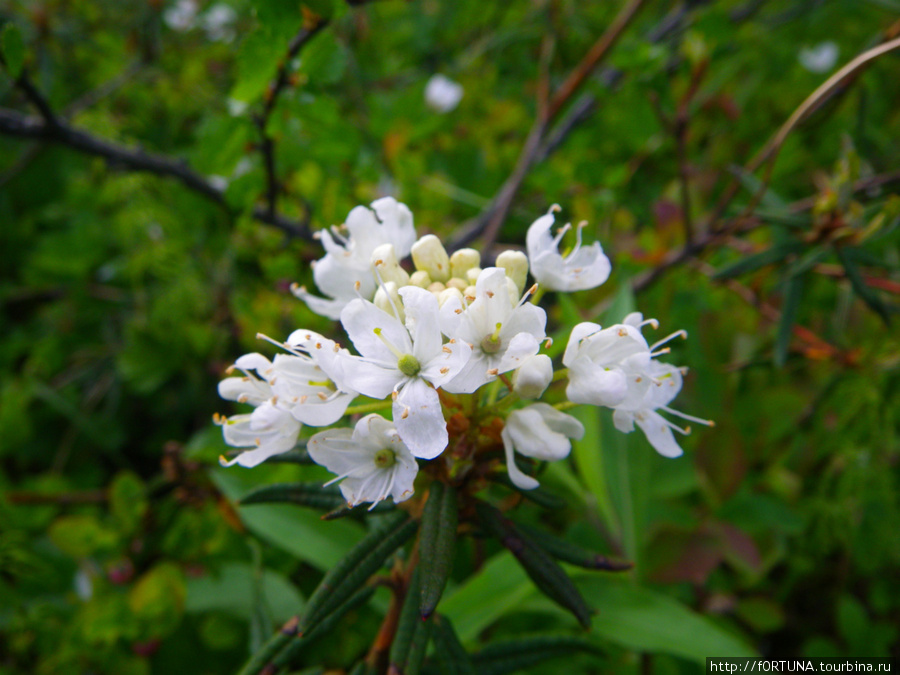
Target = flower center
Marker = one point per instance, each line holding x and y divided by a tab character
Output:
409	365
385	458
491	343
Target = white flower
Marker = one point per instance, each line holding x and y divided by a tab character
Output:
372	461
218	22
345	272
443	94
539	431
406	361
502	333
181	16
290	391
533	377
601	361
584	267
666	381
819	59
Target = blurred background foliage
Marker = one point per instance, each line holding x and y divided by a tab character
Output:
125	295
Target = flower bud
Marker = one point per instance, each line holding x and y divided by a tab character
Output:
464	260
514	291
428	254
457	283
387	298
516	265
420	278
533	376
472	275
384	259
451	293
436	287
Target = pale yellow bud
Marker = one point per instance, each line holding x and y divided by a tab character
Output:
464	260
385	296
428	254
457	283
420	278
472	275
384	260
436	287
449	294
516	265
533	376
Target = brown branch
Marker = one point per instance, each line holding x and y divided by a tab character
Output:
261	120
60	132
487	224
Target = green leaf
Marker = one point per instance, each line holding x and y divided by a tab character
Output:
509	656
448	650
407	623
545	572
538	495
437	543
754	262
81	536
230	590
323	60
862	289
127	501
296	531
354	569
793	291
312	495
158	598
622	305
13	48
498	588
572	553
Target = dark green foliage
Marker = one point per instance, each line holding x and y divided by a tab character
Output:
312	495
437	541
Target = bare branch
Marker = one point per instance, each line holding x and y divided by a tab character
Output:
59	131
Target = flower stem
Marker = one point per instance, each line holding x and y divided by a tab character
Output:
565	405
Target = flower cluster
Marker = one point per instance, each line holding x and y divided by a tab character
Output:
453	350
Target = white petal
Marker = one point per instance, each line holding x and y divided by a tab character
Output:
318	413
396	223
574	346
590	383
361	319
447	364
518	478
420	420
253	361
369	379
659	433
245	390
422	310
520	348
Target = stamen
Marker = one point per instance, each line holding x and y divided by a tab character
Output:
560	233
664	350
678	333
396	352
690	418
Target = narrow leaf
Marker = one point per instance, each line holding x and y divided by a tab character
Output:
539	495
358	510
366	558
793	291
290	653
406	625
862	289
572	553
510	656
545	572
449	652
437	544
269	650
417	648
758	260
13	48
312	495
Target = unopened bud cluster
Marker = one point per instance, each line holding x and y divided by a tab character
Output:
447	339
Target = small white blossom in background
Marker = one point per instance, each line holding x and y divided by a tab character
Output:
819	59
442	94
181	16
218	22
453	352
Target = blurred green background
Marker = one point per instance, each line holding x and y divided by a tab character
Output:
124	296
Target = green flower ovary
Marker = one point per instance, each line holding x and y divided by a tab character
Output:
409	365
385	458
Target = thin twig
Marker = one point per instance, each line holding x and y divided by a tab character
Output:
13	123
261	120
487	224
